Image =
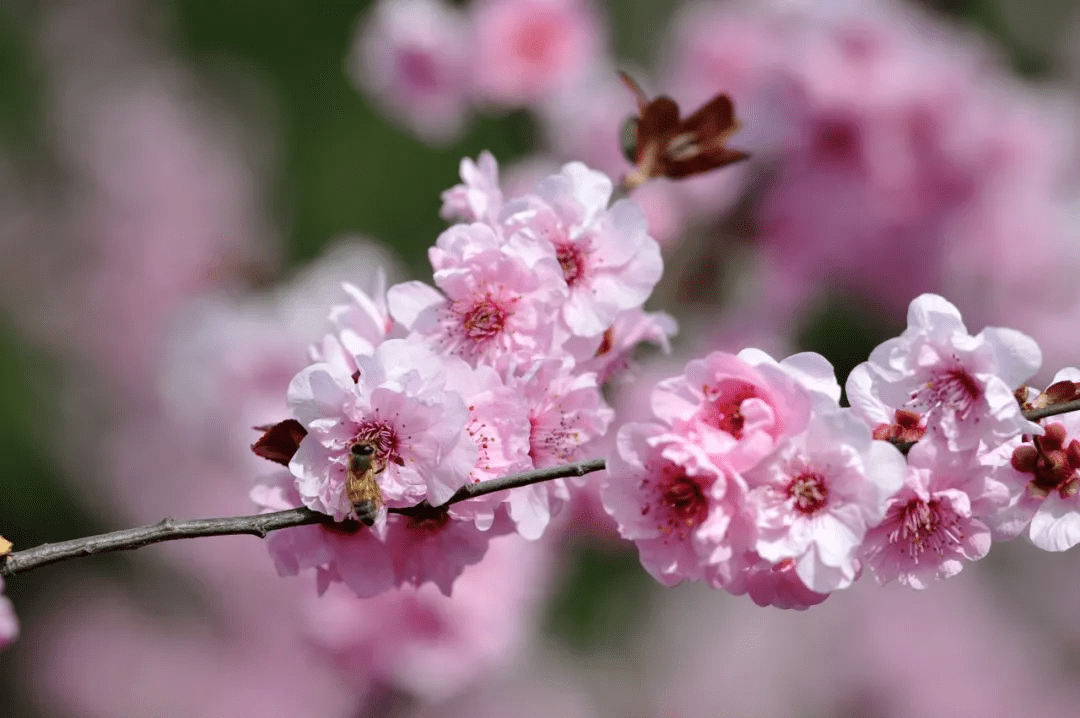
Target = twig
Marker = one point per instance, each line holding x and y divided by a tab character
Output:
1052	410
255	525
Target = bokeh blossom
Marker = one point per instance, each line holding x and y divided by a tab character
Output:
413	58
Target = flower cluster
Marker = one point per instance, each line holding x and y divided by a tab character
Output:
420	390
752	476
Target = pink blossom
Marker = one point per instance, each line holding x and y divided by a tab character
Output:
816	496
608	260
735	411
413	57
9	623
499	426
360	326
778	585
495	307
935	522
479	197
527	50
1041	475
962	384
428	547
609	355
671	501
438	646
398	403
566	411
581	125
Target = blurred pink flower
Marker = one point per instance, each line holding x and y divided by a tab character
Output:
414	59
9	623
528	50
427	645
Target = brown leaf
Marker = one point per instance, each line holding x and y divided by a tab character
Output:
666	146
280	441
5	547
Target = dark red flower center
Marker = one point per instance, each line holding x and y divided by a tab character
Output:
809	491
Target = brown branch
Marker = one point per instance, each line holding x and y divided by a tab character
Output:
255	525
1052	410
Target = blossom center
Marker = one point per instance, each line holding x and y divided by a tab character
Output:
419	70
723	410
685	501
572	260
953	388
926	526
382	436
809	491
485	319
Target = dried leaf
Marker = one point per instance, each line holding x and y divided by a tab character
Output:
280	441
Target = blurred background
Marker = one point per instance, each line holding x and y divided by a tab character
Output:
185	184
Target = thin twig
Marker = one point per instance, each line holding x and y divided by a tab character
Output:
1052	410
255	525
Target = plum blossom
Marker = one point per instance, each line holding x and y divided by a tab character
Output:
479	198
439	645
9	623
736	411
412	57
963	385
529	50
398	403
566	411
937	521
608	260
360	326
815	497
1041	475
777	585
429	546
493	306
609	354
671	500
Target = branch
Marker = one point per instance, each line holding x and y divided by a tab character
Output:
1052	410
255	525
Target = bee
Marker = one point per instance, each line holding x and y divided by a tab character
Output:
360	487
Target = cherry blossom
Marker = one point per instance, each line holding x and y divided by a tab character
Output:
412	57
937	521
493	305
962	384
815	497
566	412
528	50
609	355
399	404
736	411
440	645
479	198
608	260
670	500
